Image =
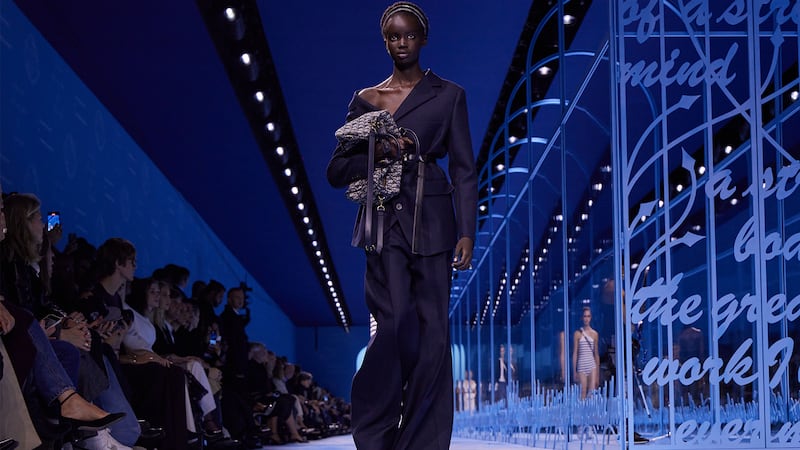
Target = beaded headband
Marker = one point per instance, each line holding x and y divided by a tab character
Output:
406	7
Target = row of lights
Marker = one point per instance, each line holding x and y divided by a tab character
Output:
249	64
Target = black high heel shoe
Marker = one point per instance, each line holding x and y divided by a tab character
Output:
90	425
8	444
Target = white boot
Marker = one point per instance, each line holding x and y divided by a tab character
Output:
103	441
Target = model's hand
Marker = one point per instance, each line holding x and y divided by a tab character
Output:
392	148
462	260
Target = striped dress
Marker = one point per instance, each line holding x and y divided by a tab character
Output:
585	353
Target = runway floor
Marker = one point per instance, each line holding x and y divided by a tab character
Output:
346	443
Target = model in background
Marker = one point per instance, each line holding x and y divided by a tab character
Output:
585	358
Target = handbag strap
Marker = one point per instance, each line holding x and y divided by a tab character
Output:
371	245
420	193
368	245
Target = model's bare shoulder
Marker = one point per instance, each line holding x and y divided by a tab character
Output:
370	94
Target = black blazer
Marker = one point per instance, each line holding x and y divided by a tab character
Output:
436	110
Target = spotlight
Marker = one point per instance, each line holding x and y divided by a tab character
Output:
500	167
250	66
290	175
794	95
568	19
544	71
235	23
263	105
274	130
282	154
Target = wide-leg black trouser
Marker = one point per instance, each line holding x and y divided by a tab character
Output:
402	396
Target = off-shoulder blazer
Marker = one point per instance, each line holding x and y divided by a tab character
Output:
436	110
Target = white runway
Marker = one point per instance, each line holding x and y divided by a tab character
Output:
346	443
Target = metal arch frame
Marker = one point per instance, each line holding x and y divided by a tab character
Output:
750	108
625	229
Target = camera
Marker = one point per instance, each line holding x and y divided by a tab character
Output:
53	220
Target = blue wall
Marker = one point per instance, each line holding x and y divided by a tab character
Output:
330	354
59	142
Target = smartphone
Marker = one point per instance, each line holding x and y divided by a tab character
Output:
212	339
52	320
53	220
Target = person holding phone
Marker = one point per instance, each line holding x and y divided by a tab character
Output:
22	289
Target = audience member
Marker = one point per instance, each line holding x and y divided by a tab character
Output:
53	371
84	337
159	388
233	321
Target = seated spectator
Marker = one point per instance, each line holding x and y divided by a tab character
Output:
277	406
159	388
21	286
167	346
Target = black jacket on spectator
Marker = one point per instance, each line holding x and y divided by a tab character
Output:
233	330
165	342
207	316
23	287
98	303
261	389
190	343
